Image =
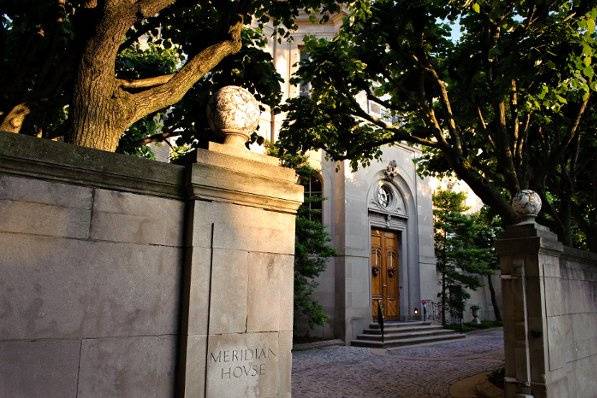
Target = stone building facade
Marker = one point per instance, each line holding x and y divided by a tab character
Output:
388	199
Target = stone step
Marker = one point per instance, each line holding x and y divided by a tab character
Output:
405	342
398	324
390	329
405	335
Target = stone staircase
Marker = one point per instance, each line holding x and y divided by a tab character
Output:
397	334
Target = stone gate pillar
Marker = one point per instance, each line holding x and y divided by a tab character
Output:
550	310
524	250
238	300
238	296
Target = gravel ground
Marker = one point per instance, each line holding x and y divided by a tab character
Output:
423	371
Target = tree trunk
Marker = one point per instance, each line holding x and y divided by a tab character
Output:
483	189
102	108
13	121
494	303
443	299
101	111
100	125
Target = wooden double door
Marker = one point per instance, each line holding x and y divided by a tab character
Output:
385	273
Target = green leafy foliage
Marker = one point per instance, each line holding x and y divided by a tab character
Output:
179	152
464	249
311	253
472	326
42	42
506	103
252	68
312	250
138	62
146	127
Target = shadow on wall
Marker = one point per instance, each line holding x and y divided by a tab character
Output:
94	251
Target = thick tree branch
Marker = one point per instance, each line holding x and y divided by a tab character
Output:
574	128
445	99
483	188
169	93
504	152
484	126
430	113
398	134
523	137
372	97
13	121
148	8
556	154
145	83
487	171
515	120
151	23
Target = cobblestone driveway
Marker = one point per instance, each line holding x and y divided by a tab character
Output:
424	371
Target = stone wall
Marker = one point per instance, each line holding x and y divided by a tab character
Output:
115	271
482	298
550	315
571	310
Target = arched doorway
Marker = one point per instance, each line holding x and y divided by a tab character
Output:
385	274
392	267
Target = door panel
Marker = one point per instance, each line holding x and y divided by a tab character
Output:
385	271
376	270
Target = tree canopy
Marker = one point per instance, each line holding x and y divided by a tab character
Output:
464	247
500	93
88	69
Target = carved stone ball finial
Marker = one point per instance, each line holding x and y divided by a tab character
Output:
527	204
235	112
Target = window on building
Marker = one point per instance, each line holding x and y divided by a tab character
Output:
382	113
313	196
304	87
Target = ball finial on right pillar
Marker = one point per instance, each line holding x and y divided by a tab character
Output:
527	205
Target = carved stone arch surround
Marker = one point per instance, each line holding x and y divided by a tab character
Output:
401	217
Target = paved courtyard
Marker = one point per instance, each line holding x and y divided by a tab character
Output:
424	371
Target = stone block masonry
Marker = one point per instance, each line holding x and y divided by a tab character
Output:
550	315
238	296
122	277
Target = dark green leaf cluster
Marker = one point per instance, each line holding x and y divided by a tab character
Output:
146	127
464	247
252	68
42	42
312	251
38	54
499	93
137	62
